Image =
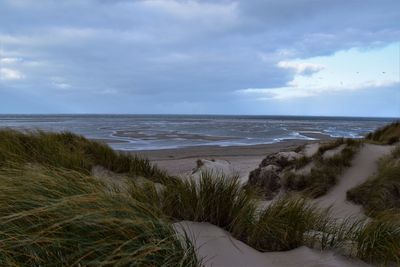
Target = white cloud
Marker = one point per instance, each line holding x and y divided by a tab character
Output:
60	83
301	67
63	86
349	70
9	60
10	74
296	91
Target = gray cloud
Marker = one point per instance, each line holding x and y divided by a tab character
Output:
181	52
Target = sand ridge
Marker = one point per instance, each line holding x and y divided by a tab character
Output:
364	164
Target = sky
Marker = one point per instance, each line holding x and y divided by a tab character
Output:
261	57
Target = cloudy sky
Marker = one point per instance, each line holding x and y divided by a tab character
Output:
293	57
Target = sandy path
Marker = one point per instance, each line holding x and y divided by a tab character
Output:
218	248
333	152
363	166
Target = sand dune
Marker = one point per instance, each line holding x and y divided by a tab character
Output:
363	166
218	248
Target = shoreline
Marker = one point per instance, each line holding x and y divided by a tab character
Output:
229	151
182	161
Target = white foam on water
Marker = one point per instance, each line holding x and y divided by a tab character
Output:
149	132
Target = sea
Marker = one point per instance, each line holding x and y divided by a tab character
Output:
150	132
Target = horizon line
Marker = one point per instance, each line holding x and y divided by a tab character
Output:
189	114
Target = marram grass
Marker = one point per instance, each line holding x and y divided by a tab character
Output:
70	151
285	224
212	198
386	135
58	217
52	213
222	201
378	241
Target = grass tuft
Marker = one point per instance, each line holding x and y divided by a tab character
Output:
284	225
70	151
59	217
386	135
378	241
212	198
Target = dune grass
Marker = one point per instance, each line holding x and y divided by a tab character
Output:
323	175
301	162
211	198
222	201
59	217
386	135
284	225
63	217
67	150
380	192
52	213
378	241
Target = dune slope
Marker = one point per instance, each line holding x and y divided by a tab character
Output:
364	164
217	248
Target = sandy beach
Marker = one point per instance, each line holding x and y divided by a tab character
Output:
245	158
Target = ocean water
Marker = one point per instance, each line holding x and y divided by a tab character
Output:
145	132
